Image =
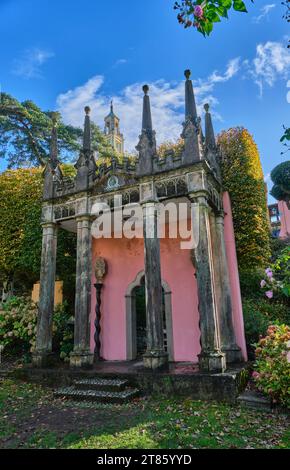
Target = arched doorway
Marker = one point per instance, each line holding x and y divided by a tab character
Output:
136	318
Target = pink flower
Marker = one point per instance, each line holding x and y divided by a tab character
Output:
269	272
269	294
198	11
255	375
263	283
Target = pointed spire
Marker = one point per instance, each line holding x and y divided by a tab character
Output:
190	106
112	107
53	142
87	130
147	141
146	117
210	142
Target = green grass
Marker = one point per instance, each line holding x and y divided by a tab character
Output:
31	418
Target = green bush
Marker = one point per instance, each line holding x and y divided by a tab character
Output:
259	313
250	281
272	366
63	331
18	320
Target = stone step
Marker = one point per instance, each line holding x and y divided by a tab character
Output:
110	385
101	396
254	399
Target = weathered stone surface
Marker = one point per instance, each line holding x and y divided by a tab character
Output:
211	358
223	291
46	296
155	355
81	355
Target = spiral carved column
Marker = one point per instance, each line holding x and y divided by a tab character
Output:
100	273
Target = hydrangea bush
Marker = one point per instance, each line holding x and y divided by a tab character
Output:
277	276
272	366
18	320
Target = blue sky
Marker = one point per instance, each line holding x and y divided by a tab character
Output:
69	53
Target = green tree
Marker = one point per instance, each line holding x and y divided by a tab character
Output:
202	14
25	132
280	176
244	180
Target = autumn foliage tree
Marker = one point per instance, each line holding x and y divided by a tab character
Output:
244	180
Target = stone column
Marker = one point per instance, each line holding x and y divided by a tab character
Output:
223	291
81	355
211	358
155	356
43	350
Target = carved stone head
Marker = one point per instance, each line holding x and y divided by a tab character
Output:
100	269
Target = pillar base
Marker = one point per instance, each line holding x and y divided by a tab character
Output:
82	359
43	359
155	359
212	361
233	354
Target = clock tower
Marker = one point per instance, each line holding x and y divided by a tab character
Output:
112	131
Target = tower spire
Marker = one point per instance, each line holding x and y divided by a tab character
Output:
210	142
190	106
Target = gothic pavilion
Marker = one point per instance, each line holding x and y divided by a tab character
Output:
193	309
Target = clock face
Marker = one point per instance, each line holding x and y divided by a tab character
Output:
112	182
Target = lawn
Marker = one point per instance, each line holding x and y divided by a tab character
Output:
31	418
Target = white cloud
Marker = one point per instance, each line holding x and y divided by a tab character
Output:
264	13
167	104
120	62
272	62
29	65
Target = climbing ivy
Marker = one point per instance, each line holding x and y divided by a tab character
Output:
243	178
20	229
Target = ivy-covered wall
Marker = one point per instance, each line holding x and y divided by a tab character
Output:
244	180
21	232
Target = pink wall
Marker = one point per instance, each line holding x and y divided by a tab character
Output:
285	219
125	260
238	319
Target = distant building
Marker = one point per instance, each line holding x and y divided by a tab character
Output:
112	131
279	215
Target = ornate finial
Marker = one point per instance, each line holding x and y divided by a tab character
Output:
206	107
187	74
112	106
145	89
87	110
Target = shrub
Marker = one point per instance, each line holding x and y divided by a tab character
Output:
244	180
277	276
63	333
272	366
250	280
18	320
258	315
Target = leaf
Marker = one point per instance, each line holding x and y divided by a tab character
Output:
239	5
